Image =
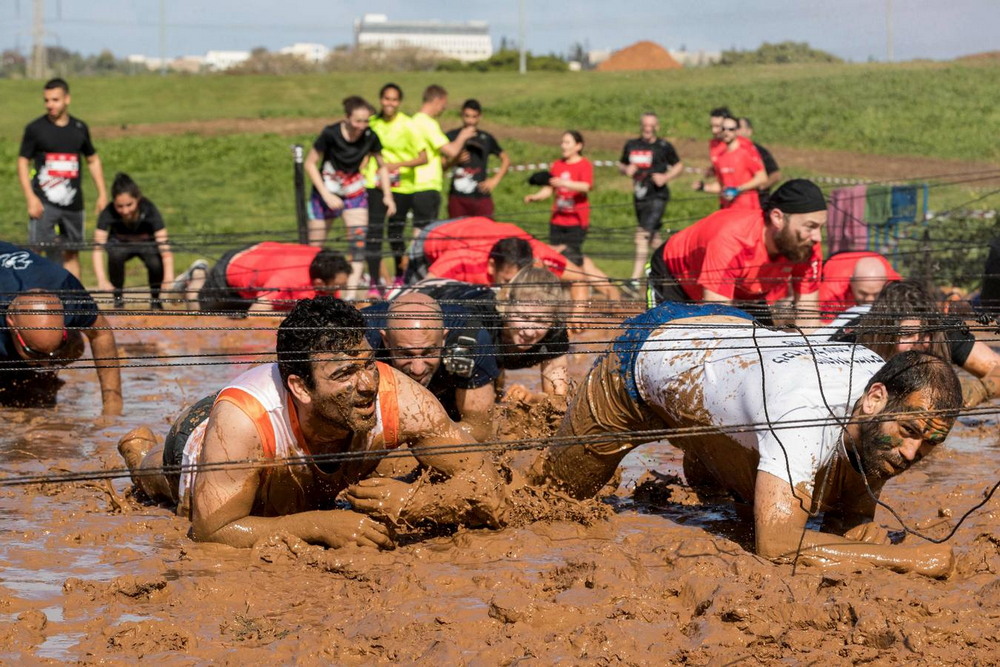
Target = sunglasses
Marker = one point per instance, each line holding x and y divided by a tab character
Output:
35	354
727	128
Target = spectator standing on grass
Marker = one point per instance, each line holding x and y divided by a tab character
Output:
471	188
48	167
572	177
131	226
770	164
339	188
651	163
430	177
737	168
401	154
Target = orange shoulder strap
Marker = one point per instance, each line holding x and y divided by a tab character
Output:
388	401
252	408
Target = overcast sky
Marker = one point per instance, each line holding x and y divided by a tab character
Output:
851	29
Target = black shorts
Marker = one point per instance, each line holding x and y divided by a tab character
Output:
216	294
572	238
649	213
180	431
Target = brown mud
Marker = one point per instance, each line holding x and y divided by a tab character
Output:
652	574
694	151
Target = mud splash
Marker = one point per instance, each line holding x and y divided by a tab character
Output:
653	573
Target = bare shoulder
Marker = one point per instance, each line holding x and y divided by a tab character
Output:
420	413
230	434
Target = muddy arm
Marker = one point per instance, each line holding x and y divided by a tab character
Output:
223	497
780	518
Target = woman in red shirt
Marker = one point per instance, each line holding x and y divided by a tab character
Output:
572	178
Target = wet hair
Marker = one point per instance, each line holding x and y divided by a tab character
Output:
744	120
720	112
512	250
124	185
533	287
355	102
878	329
472	104
390	86
327	264
914	371
434	92
52	84
320	324
577	137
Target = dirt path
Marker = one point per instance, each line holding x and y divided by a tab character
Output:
846	164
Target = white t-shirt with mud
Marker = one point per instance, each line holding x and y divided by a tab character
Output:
805	393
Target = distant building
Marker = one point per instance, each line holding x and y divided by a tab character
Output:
222	60
468	41
313	53
696	58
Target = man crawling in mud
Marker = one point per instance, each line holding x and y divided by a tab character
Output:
828	426
267	454
788	428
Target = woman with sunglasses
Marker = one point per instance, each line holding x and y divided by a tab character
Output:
738	168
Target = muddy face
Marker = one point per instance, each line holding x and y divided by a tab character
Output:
346	385
890	447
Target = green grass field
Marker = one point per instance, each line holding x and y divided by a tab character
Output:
214	190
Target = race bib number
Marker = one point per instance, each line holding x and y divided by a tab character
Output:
62	165
641	159
565	202
343	184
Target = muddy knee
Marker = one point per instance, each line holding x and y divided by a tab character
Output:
579	470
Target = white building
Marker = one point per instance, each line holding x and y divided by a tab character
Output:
696	58
313	53
221	60
469	41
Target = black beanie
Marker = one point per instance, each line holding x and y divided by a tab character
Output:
797	196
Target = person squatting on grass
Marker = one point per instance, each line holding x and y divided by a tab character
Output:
131	226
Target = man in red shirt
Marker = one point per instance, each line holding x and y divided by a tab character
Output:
852	278
737	167
264	277
748	257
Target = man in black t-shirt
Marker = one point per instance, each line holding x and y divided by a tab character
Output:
471	189
651	163
48	167
45	310
444	348
770	164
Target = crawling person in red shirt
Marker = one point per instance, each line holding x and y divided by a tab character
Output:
757	260
264	277
852	279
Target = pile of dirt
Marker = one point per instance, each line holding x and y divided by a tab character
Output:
985	56
639	56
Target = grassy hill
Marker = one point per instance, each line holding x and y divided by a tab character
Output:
229	185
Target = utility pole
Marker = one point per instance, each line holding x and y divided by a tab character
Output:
523	66
888	29
39	57
163	37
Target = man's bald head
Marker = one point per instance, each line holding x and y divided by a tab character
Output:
868	279
415	335
37	317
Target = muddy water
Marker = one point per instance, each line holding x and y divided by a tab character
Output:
652	577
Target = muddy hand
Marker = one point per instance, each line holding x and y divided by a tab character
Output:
380	497
340	528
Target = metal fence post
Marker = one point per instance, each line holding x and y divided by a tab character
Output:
300	194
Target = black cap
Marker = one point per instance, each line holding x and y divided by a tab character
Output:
797	196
